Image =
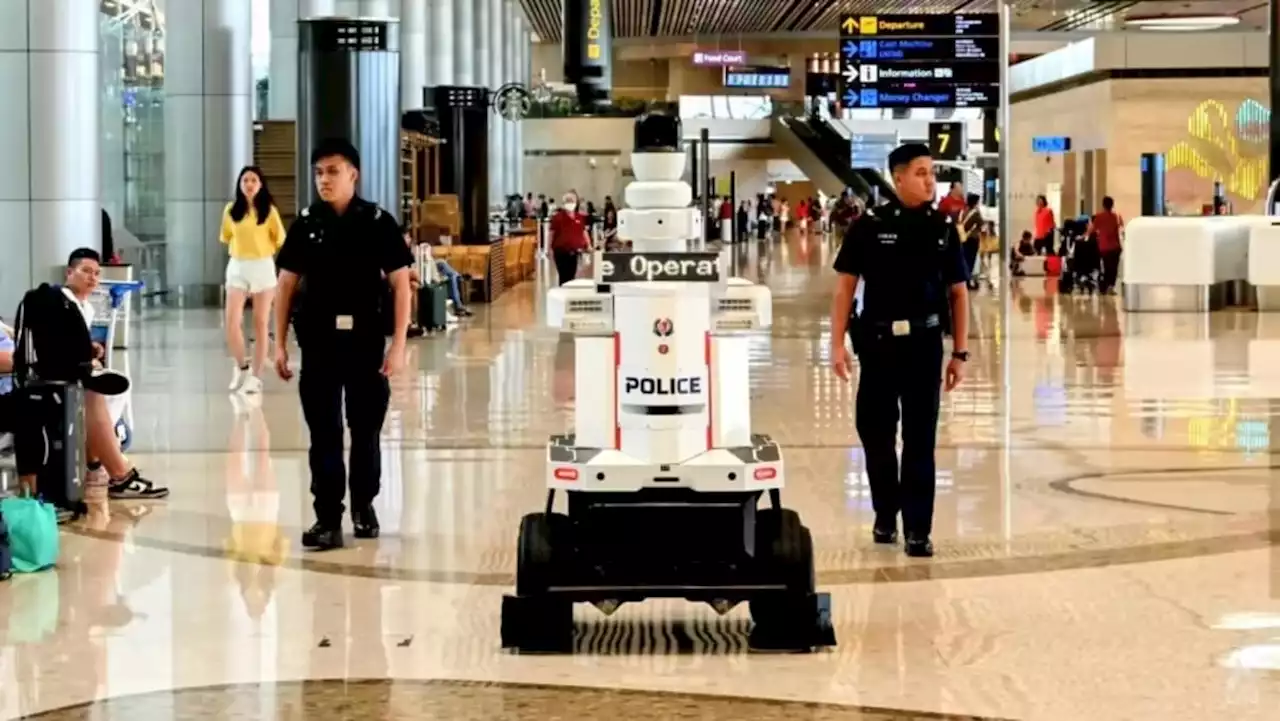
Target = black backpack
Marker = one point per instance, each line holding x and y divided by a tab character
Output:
52	341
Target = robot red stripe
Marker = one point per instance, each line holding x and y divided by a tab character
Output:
711	406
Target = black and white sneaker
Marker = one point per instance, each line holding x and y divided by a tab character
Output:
134	487
106	382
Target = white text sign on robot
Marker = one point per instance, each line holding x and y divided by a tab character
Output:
691	385
651	267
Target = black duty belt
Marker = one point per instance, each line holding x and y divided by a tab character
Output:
906	326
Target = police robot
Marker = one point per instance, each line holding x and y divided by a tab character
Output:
664	483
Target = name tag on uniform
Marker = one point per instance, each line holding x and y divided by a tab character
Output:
901	327
346	322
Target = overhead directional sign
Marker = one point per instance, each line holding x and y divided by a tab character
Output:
921	49
920	25
876	72
943	60
921	95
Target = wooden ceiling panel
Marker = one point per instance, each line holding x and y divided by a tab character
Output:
685	18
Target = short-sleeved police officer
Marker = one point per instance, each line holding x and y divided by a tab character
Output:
337	259
910	260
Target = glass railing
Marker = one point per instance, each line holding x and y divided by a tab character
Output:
567	106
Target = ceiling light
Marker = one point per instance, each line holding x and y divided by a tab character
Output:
1182	22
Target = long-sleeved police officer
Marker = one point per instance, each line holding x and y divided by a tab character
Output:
909	258
337	258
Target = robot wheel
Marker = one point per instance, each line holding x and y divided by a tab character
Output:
795	617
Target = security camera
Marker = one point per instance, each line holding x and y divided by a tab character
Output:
658	217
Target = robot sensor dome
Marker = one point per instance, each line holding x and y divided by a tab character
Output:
657	133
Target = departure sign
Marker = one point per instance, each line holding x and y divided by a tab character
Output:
942	60
936	25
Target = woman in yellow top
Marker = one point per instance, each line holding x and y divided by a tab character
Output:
253	232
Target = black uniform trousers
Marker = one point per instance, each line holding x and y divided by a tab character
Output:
566	265
343	368
900	372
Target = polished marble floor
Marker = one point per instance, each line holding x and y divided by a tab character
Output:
1107	529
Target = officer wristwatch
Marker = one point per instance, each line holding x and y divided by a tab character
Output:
960	355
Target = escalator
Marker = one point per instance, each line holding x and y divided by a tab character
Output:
837	141
823	155
798	141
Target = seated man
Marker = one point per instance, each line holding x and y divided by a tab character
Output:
107	463
451	276
454	279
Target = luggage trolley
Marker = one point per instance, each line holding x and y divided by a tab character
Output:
107	300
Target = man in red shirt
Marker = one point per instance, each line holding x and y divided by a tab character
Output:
568	238
1106	227
953	204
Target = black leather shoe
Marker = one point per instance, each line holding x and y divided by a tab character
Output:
322	538
885	532
365	523
919	546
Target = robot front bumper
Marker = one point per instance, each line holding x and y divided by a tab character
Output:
745	469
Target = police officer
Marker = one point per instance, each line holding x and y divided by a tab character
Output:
334	266
909	258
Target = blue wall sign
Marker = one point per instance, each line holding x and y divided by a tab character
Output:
1051	144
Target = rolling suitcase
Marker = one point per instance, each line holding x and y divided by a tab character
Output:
432	299
58	410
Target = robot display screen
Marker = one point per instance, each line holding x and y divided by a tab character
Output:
686	267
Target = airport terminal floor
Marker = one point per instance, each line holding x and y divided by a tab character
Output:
1106	538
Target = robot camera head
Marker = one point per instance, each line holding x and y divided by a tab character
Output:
657	133
658	154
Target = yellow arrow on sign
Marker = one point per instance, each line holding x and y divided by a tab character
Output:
850	25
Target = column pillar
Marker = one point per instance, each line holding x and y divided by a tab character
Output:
441	47
378	9
413	53
510	34
523	48
484	79
282	97
497	76
282	88
49	196
464	33
208	136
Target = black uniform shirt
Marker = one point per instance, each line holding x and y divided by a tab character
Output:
907	257
341	260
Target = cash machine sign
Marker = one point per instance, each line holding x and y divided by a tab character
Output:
670	267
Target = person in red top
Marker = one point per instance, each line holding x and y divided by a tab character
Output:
568	238
1106	226
953	204
1044	225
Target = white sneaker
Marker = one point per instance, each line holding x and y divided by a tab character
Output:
237	378
252	384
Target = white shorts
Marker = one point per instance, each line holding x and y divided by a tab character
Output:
253	276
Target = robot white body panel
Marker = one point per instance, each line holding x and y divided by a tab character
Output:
662	387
